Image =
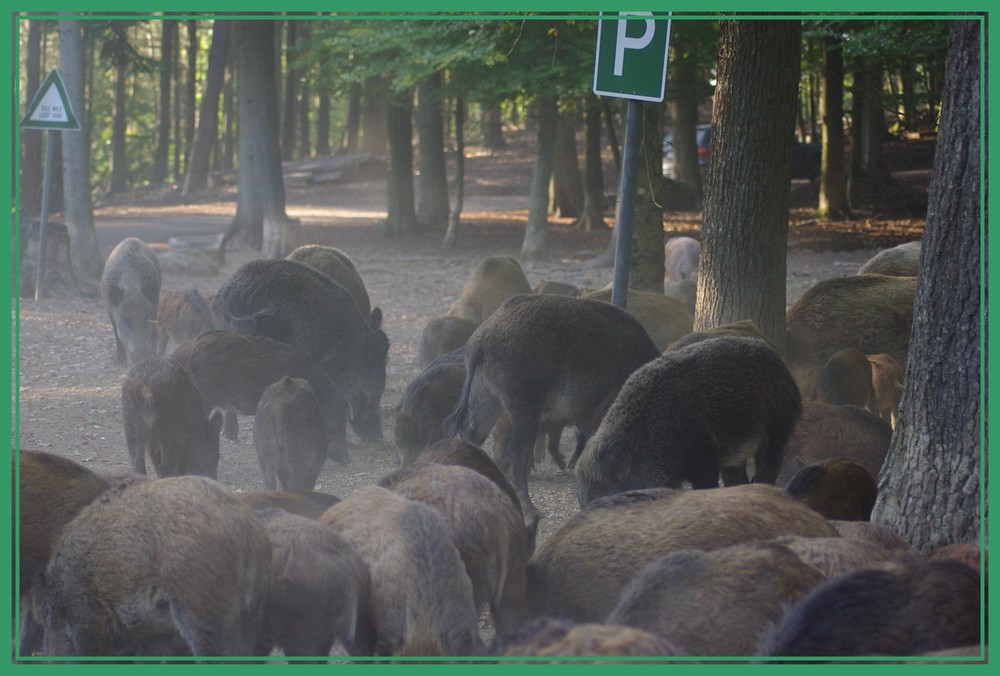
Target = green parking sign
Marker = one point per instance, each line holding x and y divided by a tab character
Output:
631	58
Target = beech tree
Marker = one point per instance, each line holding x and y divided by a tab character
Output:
929	488
745	226
205	137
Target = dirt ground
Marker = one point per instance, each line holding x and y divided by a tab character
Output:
68	388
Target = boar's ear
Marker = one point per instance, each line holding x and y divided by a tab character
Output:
616	460
376	319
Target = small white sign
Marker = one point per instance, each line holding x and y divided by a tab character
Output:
50	109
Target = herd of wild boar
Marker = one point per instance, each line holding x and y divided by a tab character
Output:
781	560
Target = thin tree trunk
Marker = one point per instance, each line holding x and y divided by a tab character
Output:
930	488
288	117
592	217
353	124
373	116
206	136
305	98
455	217
432	207
229	109
534	244
31	139
684	111
833	179
161	156
401	213
745	231
261	191
88	264
609	118
190	91
323	125
567	188
492	126
178	129
118	180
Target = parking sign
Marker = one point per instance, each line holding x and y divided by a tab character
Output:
631	58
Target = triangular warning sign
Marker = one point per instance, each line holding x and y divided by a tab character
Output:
50	109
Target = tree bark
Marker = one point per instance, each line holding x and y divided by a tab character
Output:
288	115
646	266
228	145
31	139
745	225
206	136
929	487
161	157
492	126
432	207
353	124
684	111
373	116
592	217
260	191
455	217
88	264
118	180
401	213
190	90
567	188
534	245
833	178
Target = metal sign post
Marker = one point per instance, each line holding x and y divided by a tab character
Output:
49	110
631	63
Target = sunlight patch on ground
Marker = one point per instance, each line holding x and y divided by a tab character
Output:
332	212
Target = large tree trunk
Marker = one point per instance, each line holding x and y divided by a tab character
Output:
196	178
567	188
833	179
161	157
455	216
261	191
432	207
592	217
646	266
492	126
534	245
401	212
31	139
929	487
88	264
745	229
373	116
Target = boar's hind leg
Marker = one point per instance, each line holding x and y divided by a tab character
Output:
519	450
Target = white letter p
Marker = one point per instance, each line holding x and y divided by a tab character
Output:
624	42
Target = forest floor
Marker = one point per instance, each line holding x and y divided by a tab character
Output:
69	387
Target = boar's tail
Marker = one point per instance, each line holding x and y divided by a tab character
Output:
453	423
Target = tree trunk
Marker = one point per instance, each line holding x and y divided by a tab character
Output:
31	139
118	180
646	266
538	210
373	116
432	209
872	123
260	191
207	133
929	487
567	188
228	144
745	225
592	217
190	91
352	127
288	116
609	119
907	82
88	264
323	125
161	157
492	126
833	178
402	213
178	98
455	216
305	98
684	111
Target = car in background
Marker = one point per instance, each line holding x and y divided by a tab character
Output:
806	157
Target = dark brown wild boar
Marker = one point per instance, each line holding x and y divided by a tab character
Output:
290	435
443	335
554	637
310	504
837	488
165	419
